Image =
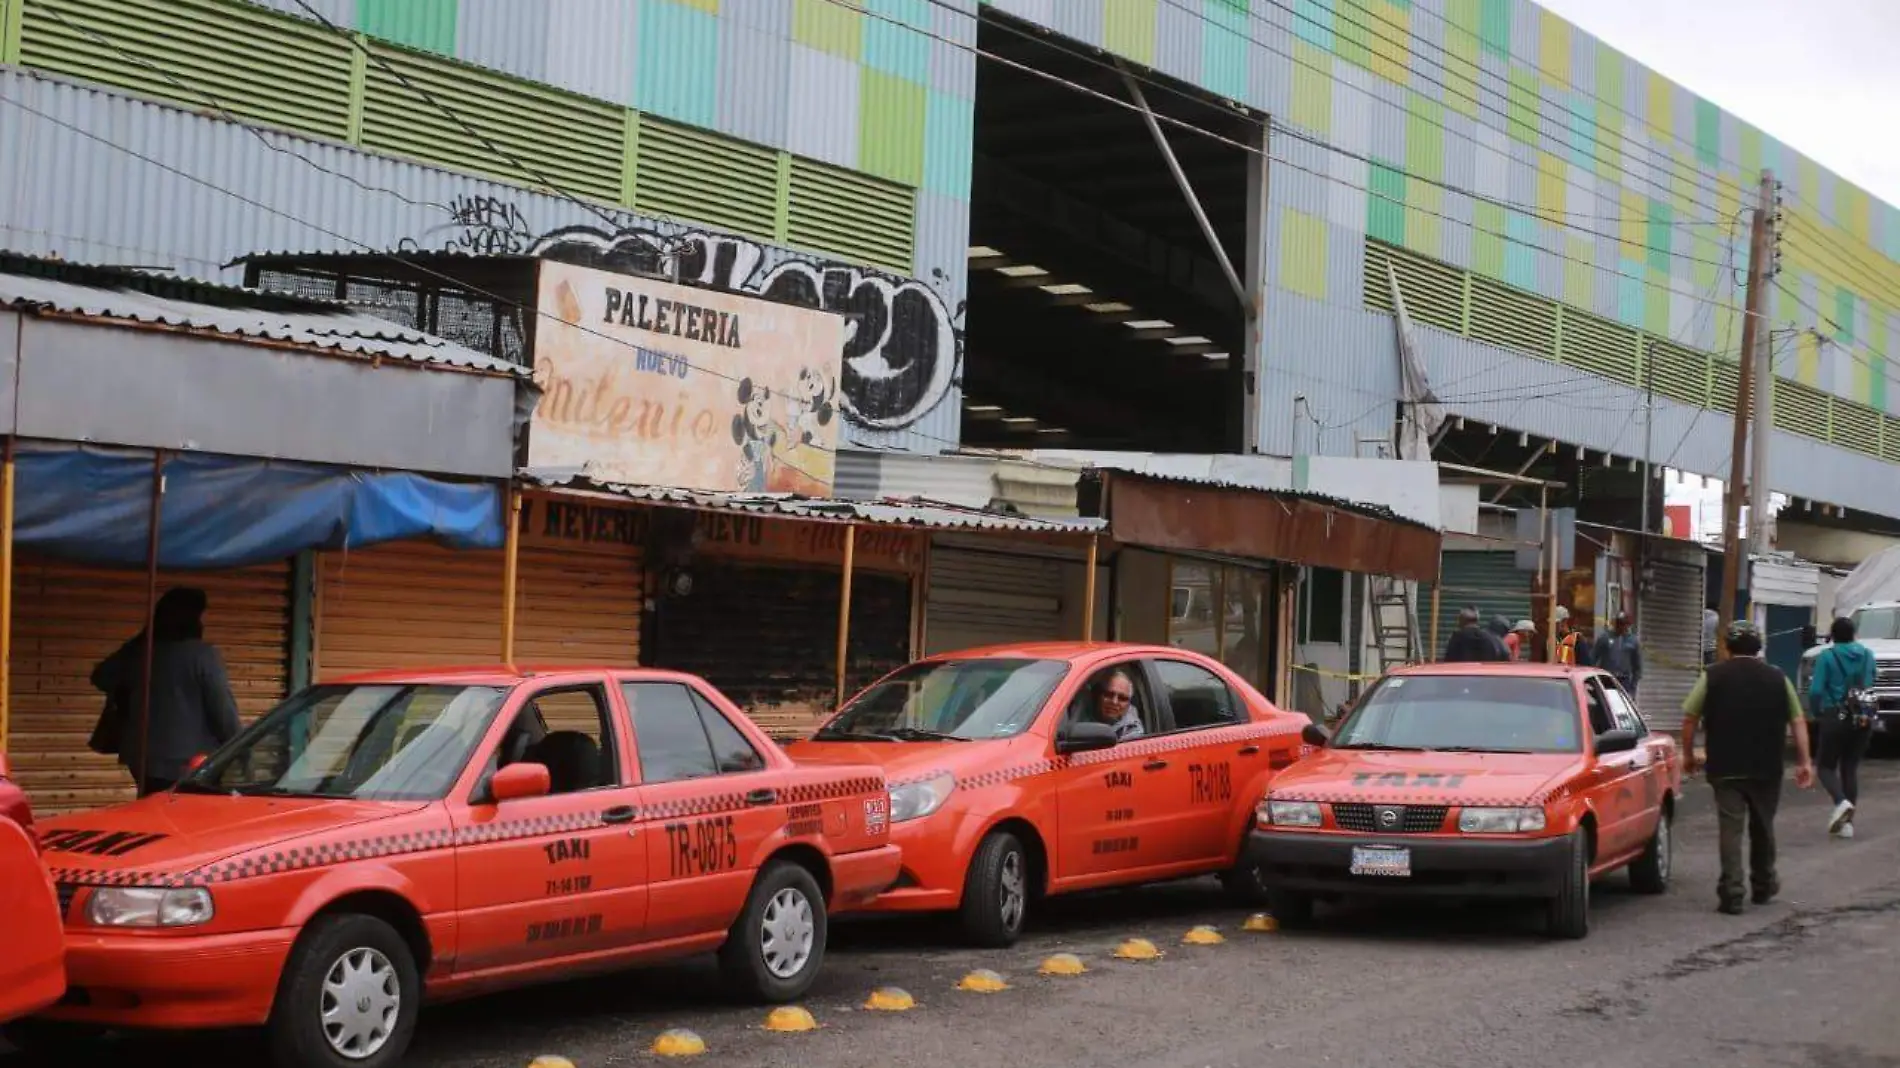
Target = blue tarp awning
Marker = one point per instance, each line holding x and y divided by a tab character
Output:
94	505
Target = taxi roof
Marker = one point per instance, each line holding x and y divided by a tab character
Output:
1055	650
499	674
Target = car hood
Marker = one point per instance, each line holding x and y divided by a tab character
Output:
1882	648
1425	778
904	761
176	834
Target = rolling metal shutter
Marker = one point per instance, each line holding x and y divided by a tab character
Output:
767	637
416	604
985	598
1487	580
67	618
1671	632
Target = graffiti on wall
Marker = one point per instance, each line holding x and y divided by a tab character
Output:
902	343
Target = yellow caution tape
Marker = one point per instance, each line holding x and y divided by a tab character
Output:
890	999
1202	936
1137	949
1063	964
790	1018
679	1042
983	981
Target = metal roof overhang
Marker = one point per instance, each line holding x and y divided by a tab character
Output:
1267	525
113	358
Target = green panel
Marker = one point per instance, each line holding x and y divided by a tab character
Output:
255	63
425	24
1424	137
1353	37
1385	205
1708	133
698	176
1487	239
1658	234
10	13
1128	28
523	131
850	215
829	27
1656	304
1843	315
891	127
1494	27
1521	103
1461	57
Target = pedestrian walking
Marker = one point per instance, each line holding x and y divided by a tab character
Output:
1746	708
1843	675
192	709
1618	653
1471	643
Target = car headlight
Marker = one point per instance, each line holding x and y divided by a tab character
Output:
915	800
149	906
1500	820
1292	813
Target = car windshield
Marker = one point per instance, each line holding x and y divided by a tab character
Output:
949	700
1879	624
1478	713
384	742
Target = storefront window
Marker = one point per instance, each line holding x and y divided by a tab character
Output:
1224	612
1192	620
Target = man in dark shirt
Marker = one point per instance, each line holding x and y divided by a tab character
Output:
1471	642
1746	706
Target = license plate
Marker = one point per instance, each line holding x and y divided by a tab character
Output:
1381	860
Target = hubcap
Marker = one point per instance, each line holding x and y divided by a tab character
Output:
362	999
1664	847
1014	890
789	932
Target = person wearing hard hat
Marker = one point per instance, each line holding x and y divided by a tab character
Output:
1519	640
1569	640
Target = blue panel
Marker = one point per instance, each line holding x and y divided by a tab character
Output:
949	138
1520	252
677	73
1629	292
893	39
1313	22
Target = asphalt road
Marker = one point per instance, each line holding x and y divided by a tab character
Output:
1808	980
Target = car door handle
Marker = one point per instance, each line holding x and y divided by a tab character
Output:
1154	765
620	814
1249	750
761	797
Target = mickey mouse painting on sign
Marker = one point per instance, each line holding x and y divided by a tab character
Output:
782	438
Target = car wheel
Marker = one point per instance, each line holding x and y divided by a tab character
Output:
1649	873
996	892
1243	883
776	946
1290	909
348	996
1569	911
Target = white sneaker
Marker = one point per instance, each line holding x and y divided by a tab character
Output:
1847	830
1842	815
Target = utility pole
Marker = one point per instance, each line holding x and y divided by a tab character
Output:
1762	354
1732	562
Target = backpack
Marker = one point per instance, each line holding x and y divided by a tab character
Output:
1858	708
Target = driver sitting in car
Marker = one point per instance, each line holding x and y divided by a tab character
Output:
1115	705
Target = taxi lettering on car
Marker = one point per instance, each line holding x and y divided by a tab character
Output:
385	839
1019	772
1475	780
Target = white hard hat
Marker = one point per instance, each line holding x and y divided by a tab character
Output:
1524	626
1563	614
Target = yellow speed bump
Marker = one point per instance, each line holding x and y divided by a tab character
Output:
679	1042
890	999
1137	949
983	981
1063	964
549	1060
1203	935
790	1018
1260	923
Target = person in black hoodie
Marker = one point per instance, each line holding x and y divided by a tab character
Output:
1471	643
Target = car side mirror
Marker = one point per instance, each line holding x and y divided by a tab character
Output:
1315	735
1085	737
517	781
1617	742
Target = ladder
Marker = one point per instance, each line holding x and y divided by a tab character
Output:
1394	624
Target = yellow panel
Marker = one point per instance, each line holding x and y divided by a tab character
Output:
1579	274
68	618
1633	224
1662	113
1424	218
1553	51
1808	361
1391	55
1552	192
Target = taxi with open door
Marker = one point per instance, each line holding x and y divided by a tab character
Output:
389	839
1023	771
32	949
1475	781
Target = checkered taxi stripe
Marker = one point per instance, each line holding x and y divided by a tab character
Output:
1367	795
325	854
1140	747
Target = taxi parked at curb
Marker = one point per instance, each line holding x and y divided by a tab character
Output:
1020	771
1476	781
386	839
33	962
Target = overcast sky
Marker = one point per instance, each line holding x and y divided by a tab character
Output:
1820	75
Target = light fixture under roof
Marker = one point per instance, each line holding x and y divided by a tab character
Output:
1109	307
1148	324
1020	420
984	252
1190	339
1066	289
1021	270
1053	430
1214	357
983	410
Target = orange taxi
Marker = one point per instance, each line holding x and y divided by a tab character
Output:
1027	770
1475	780
32	964
387	839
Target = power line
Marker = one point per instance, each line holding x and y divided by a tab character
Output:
1842	256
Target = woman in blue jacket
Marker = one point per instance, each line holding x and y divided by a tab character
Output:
1845	665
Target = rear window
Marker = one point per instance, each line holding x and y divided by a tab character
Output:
1474	713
